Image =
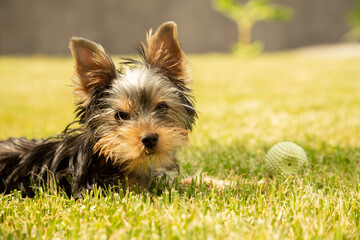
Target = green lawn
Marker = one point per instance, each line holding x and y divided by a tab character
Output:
245	107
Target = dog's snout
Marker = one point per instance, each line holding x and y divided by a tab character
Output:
150	140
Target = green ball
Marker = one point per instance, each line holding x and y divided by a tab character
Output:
286	158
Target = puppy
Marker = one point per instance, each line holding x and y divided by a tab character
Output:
129	120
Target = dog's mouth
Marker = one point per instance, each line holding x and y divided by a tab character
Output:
149	152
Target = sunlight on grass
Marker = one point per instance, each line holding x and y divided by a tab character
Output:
245	107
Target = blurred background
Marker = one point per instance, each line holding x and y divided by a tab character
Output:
45	27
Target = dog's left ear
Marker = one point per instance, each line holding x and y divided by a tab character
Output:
164	51
93	67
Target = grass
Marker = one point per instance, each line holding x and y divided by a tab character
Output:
245	107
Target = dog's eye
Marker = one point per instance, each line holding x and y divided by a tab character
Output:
122	116
162	106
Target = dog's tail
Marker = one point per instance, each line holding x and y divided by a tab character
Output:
11	153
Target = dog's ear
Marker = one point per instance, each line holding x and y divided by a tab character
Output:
93	67
163	51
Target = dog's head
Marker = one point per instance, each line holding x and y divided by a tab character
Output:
137	115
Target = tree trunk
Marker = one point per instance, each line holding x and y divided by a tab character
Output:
244	34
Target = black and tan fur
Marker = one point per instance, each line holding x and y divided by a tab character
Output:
131	120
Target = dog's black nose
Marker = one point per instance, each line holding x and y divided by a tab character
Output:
150	140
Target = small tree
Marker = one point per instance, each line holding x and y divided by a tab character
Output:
247	14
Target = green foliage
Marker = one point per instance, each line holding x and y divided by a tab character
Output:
354	15
353	19
247	50
246	15
252	11
245	108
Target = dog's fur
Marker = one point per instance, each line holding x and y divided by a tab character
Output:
131	121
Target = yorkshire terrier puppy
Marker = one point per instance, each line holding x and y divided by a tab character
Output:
130	122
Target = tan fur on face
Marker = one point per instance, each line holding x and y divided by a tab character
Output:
123	146
122	104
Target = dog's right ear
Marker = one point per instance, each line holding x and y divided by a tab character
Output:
93	67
